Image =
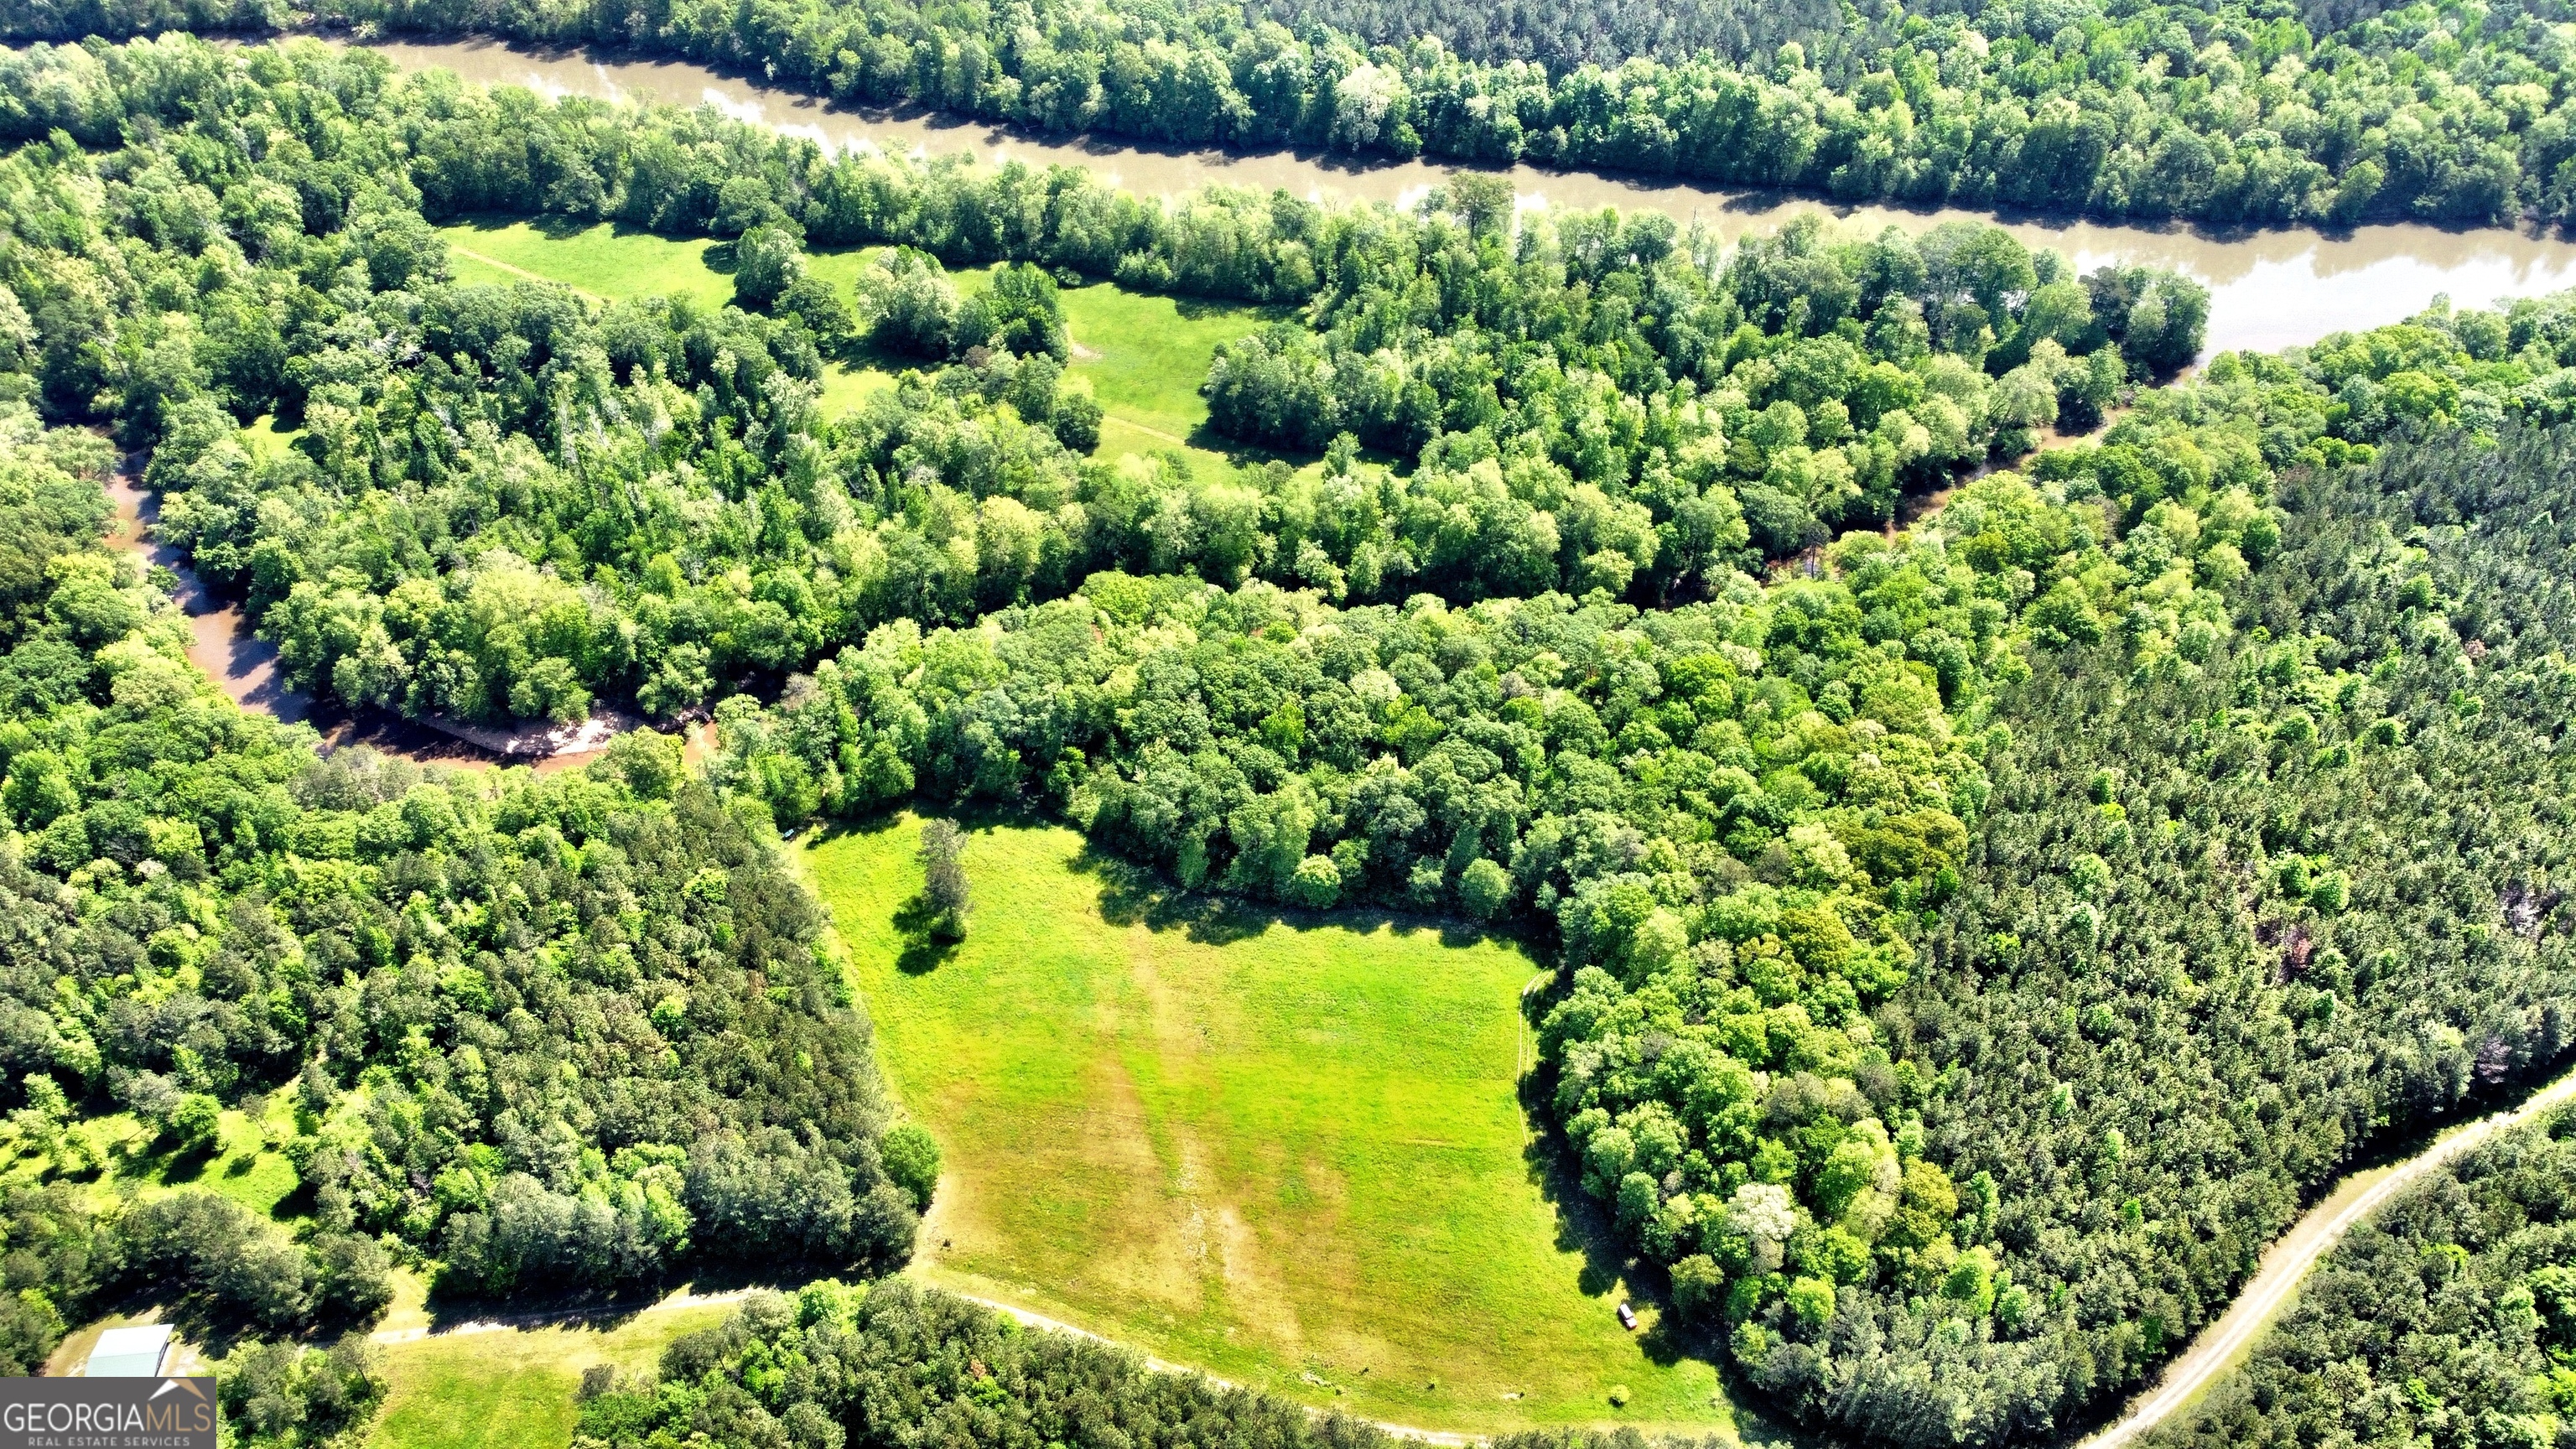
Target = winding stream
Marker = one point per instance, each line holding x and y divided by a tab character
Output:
2268	289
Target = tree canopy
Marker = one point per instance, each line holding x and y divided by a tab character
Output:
2330	112
1974	938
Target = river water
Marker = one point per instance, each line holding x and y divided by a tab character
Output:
2268	289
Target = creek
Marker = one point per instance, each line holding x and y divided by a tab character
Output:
225	649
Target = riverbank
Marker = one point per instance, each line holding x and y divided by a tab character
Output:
2268	288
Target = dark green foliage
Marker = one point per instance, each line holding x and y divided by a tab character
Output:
288	1394
1026	313
2335	841
1975	942
2446	1314
57	1256
570	1031
1648	412
898	1364
506	506
223	1265
2226	112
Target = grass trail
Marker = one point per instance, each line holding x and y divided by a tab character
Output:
1288	1150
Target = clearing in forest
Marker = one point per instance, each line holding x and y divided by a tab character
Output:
1287	1149
516	1388
1143	356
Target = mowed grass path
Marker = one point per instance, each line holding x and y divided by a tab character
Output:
1287	1150
1143	356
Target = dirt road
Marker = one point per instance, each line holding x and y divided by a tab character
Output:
2289	1259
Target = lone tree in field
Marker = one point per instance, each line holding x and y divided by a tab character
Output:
943	871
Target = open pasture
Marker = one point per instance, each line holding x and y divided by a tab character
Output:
1287	1149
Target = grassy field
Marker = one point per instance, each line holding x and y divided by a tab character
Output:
264	438
612	263
604	260
124	1159
513	1389
1288	1150
1143	356
1147	355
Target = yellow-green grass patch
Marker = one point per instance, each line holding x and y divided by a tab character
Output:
120	1157
1287	1149
1142	356
604	260
1146	356
515	1388
841	268
846	387
266	437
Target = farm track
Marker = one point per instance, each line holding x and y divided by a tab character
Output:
2288	1260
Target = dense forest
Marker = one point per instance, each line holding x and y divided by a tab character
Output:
1944	1126
507	506
2233	112
2449	1316
570	1032
1975	938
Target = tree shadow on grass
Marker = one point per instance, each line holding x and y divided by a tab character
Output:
924	949
1196	308
1581	1225
1132	895
1584	1226
175	1164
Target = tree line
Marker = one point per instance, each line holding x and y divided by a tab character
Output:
895	1363
2227	113
538	1035
1927	904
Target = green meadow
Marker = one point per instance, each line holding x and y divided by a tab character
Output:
1289	1150
121	1158
1142	356
514	1389
1146	356
604	260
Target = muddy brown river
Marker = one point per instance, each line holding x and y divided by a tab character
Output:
2268	289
